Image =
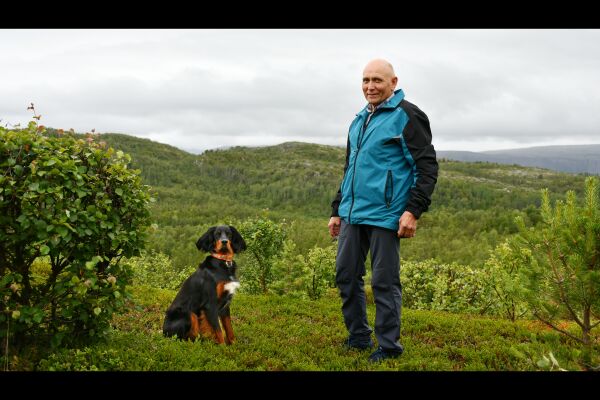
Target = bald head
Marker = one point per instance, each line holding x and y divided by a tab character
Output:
381	66
379	81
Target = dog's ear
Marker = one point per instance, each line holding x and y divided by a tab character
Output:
206	241
237	241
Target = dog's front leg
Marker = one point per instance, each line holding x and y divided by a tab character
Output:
213	321
226	321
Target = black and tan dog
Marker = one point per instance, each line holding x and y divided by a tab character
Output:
205	296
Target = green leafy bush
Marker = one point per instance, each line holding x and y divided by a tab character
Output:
75	203
503	277
157	270
429	285
264	241
319	271
287	271
299	275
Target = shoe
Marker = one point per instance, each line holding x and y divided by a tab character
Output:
363	344
380	354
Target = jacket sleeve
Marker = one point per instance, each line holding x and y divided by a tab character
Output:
417	137
335	204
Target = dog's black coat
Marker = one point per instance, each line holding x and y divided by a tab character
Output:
202	293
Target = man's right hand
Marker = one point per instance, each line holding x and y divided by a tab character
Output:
334	226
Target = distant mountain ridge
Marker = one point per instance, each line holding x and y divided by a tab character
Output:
573	158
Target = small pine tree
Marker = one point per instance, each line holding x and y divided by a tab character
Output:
562	279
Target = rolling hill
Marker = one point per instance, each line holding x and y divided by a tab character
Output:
473	206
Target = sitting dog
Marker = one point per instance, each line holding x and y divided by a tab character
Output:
205	296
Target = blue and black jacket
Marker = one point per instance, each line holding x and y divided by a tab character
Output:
390	168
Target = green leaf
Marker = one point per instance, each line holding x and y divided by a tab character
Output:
119	191
97	310
44	250
55	240
50	162
543	363
38	317
62	231
34	186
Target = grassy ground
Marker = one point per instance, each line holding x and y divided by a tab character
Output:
287	334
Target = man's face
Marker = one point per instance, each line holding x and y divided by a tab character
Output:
377	85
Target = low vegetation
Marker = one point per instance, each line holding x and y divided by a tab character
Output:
282	333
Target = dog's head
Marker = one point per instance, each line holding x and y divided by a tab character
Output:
222	239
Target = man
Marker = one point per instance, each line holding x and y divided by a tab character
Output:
389	176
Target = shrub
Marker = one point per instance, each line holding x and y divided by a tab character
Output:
429	285
287	271
156	270
76	204
503	277
319	271
264	241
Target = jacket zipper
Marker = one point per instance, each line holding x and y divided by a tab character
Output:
358	146
389	183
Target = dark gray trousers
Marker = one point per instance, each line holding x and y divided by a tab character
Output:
354	243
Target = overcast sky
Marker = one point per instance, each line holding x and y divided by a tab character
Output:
203	89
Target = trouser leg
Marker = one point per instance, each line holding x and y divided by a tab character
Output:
352	252
387	290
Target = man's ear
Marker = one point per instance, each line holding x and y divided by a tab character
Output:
206	241
237	241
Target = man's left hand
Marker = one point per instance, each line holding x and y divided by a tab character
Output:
408	225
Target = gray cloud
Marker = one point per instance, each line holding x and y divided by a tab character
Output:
203	89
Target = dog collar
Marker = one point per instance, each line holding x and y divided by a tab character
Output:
224	257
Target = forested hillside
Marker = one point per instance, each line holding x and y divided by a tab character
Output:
473	207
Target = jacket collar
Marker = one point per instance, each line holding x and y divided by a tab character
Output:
392	102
